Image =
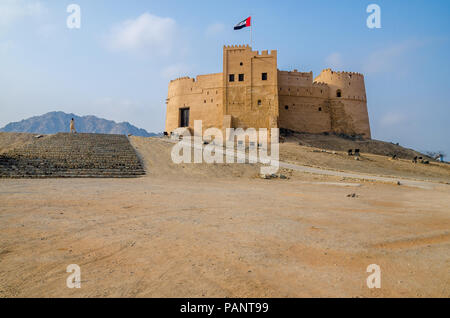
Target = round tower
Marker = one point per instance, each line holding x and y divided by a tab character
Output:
343	85
179	95
180	86
347	93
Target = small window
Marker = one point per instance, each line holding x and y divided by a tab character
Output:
259	102
286	107
241	77
264	76
204	101
231	77
241	64
320	109
338	93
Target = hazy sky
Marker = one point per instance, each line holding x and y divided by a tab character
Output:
118	64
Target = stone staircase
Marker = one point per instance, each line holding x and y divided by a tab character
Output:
73	156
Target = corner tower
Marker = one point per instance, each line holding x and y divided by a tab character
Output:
348	102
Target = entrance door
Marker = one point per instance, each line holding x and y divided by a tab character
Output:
184	117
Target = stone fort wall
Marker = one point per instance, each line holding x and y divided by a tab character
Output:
251	101
252	92
304	105
203	96
348	101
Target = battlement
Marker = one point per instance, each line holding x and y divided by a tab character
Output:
234	47
266	53
184	78
341	73
296	73
246	48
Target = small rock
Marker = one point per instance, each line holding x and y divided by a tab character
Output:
269	176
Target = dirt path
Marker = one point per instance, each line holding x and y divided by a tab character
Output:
359	176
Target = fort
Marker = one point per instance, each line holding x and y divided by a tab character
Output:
252	92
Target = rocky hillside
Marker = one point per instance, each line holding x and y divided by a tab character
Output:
55	122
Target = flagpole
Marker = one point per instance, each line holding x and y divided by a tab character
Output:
251	32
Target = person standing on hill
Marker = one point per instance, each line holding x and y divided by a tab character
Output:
72	126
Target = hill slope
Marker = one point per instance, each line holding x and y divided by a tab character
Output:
55	122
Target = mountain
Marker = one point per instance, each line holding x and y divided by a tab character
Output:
54	122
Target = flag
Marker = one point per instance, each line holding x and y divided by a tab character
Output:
244	24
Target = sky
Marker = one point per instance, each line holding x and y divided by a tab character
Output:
118	64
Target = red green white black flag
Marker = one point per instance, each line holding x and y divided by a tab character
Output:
244	24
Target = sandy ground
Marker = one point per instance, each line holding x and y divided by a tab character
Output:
220	231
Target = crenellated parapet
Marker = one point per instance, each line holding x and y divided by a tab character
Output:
240	46
341	73
239	49
184	78
296	73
